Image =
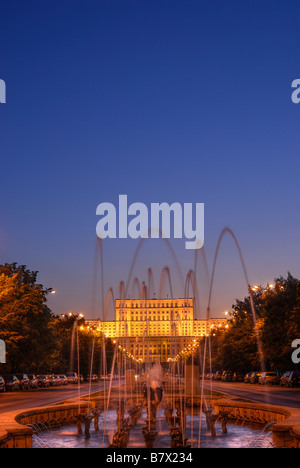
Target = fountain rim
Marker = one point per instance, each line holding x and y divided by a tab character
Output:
12	422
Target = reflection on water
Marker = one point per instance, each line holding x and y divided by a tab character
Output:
238	436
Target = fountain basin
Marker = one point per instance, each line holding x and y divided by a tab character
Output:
286	432
14	432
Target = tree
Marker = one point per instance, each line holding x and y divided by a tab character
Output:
281	313
24	319
244	347
38	341
90	342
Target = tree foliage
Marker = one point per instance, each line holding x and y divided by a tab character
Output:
74	334
24	319
38	341
245	346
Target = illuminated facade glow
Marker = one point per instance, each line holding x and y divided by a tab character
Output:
156	329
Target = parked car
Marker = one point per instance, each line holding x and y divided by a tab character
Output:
53	381
58	380
238	377
12	384
33	381
227	376
290	379
247	377
106	377
24	381
269	378
72	377
285	379
93	378
2	384
43	381
255	377
63	379
218	375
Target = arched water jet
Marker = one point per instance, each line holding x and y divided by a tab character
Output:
147	363
165	273
122	294
138	251
143	291
135	286
151	288
109	296
192	278
106	406
174	347
135	351
95	279
191	281
229	231
91	368
148	357
72	349
99	248
206	273
225	231
75	339
182	409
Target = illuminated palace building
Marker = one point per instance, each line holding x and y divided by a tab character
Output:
156	329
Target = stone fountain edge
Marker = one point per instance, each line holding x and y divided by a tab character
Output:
286	432
14	433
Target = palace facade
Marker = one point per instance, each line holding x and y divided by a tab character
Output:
156	329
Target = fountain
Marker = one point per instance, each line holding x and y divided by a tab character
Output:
153	418
166	406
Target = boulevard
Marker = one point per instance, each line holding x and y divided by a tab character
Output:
273	395
45	396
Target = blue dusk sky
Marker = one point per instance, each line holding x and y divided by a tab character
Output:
162	100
